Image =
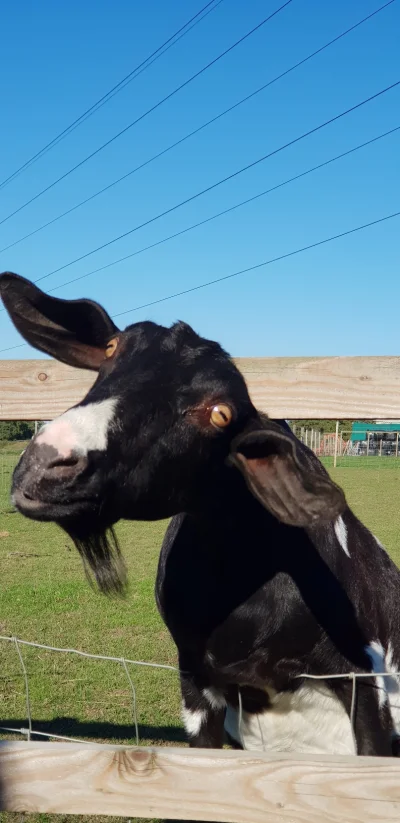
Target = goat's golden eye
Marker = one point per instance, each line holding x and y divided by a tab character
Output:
221	416
111	347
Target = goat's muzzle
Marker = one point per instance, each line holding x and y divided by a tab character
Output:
46	481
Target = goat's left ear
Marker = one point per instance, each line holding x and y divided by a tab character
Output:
273	469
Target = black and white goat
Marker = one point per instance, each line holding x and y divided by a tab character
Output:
265	574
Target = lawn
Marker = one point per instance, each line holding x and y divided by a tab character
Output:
46	598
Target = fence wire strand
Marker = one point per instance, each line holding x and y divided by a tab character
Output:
135	720
124	662
27	698
29	731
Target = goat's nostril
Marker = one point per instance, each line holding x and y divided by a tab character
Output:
67	467
71	460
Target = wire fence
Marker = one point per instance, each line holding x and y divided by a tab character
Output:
379	677
29	730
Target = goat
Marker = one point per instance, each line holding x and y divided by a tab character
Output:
265	574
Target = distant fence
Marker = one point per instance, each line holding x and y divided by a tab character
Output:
217	785
341	444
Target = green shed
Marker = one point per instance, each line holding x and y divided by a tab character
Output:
378	431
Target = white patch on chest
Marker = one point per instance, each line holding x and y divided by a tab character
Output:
80	430
309	721
388	687
341	534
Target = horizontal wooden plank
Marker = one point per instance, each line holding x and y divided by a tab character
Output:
284	387
241	787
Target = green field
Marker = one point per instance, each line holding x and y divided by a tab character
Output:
45	598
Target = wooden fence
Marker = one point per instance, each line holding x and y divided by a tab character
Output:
190	784
181	783
285	387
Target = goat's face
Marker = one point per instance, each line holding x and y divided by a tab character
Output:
167	421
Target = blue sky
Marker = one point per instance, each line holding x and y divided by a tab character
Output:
339	299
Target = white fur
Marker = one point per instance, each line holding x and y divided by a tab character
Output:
193	720
388	687
310	721
341	534
214	698
81	429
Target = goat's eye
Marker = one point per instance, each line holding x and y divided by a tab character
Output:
221	415
111	347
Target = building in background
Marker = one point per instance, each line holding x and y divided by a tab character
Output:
380	438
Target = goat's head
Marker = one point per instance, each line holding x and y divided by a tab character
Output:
167	422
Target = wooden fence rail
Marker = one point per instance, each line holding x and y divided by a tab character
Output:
190	784
285	387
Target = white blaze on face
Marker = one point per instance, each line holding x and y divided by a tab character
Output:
80	430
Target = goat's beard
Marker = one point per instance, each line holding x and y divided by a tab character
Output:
101	555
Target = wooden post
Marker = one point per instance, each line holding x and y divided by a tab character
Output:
302	434
36	426
306	437
397	444
380	449
336	444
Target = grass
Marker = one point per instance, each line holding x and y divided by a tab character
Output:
45	598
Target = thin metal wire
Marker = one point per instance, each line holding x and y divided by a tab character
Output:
346	675
123	661
87	654
240	718
51	736
353	676
25	673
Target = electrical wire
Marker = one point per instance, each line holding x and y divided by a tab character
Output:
146	113
145	64
257	266
195	131
223	180
228	210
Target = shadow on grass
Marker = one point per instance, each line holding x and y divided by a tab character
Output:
97	731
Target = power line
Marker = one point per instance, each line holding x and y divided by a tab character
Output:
146	113
145	64
260	265
264	263
222	181
199	129
248	200
228	210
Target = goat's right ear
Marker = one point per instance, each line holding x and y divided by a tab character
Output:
75	332
279	477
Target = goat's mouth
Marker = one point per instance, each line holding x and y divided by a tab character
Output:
42	507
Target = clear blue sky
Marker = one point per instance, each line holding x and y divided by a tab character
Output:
343	298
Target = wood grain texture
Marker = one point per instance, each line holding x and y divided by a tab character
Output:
284	387
190	784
